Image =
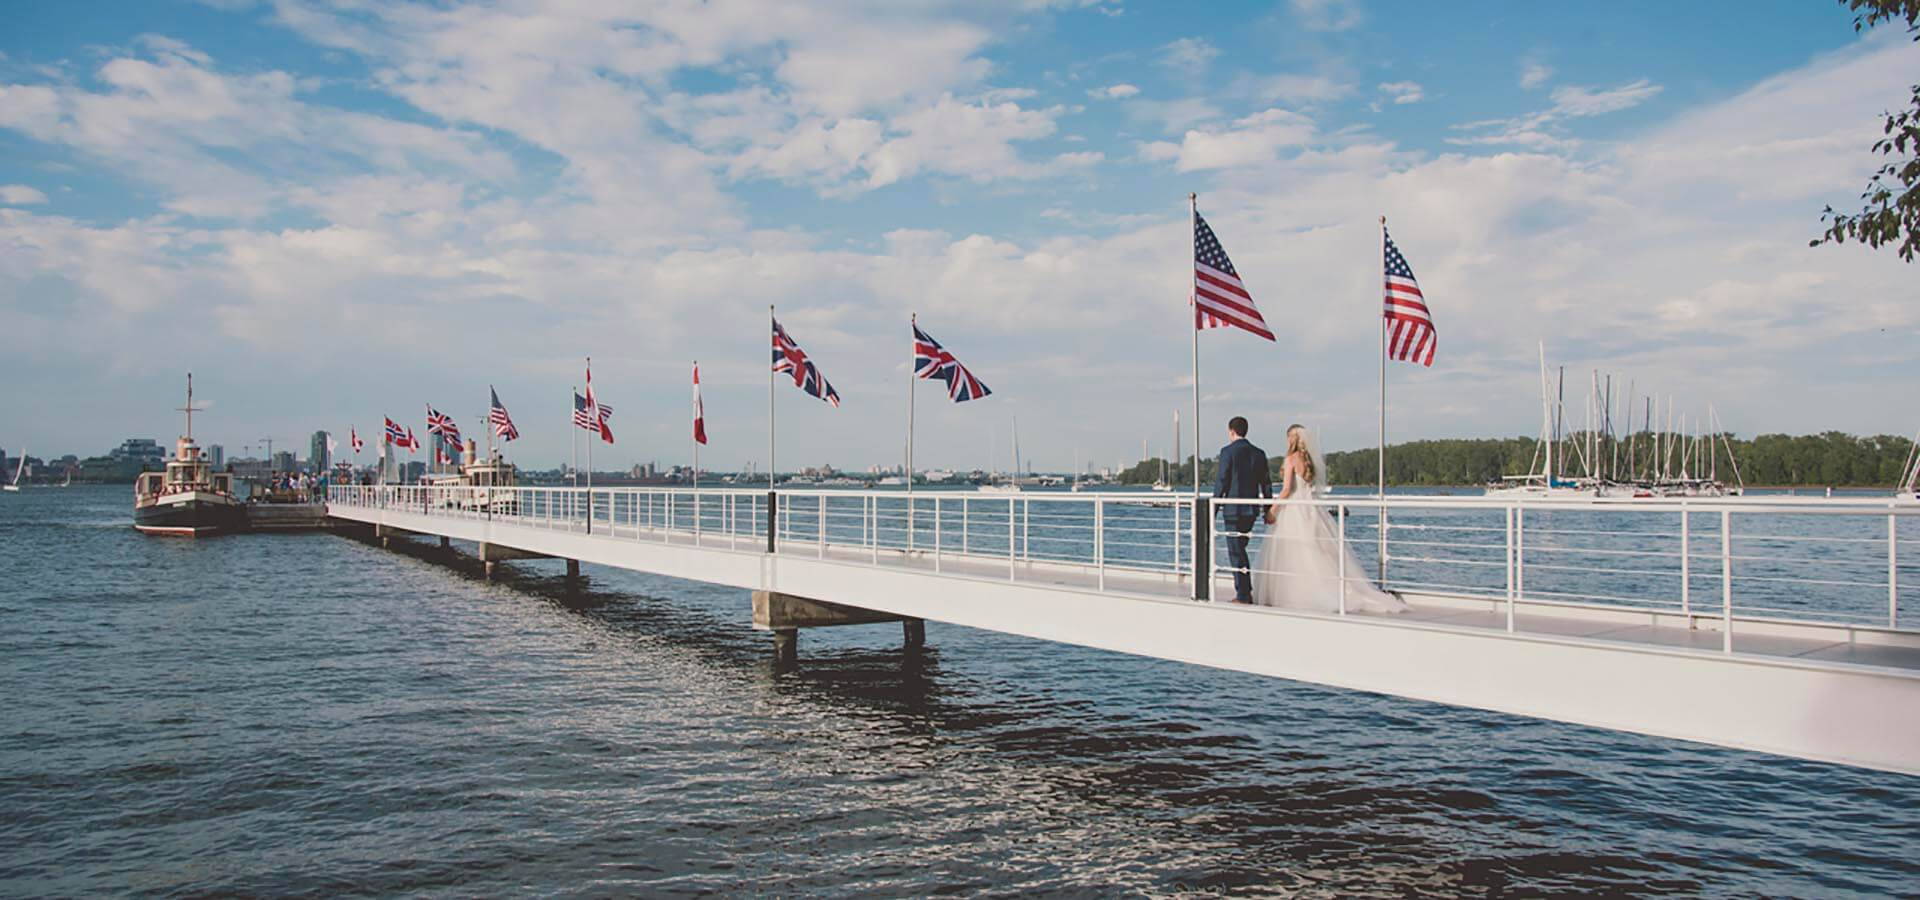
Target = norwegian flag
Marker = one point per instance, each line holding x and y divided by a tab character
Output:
353	435
789	358
699	409
442	425
932	362
397	436
1410	334
1219	297
498	418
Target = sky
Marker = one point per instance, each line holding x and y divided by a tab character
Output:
333	211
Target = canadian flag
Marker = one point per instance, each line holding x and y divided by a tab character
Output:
699	410
353	435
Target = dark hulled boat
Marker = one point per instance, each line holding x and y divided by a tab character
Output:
189	498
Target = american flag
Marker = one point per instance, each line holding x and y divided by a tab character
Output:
442	425
1219	297
699	409
789	358
498	418
1410	334
354	438
932	361
584	416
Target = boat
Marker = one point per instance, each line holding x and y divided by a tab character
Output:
13	487
69	482
188	498
1012	483
484	477
1910	482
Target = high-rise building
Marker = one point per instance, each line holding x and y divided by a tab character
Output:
283	461
217	455
413	472
141	451
317	456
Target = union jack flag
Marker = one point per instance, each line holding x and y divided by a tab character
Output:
1410	334
1219	297
789	358
442	425
933	362
498	418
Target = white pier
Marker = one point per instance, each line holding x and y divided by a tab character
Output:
1771	625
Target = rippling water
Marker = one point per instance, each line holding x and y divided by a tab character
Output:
307	714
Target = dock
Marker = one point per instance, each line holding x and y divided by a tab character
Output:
1731	646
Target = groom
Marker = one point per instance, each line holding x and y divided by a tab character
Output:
1243	475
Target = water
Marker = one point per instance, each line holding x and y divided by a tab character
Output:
272	714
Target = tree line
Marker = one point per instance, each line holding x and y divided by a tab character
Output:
1833	459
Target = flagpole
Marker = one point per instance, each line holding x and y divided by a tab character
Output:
573	442
1193	302
914	320
594	411
694	476
1381	457
770	415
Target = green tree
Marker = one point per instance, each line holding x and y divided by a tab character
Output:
1892	211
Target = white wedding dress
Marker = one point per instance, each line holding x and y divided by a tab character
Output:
1298	564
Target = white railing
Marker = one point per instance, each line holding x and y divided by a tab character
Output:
1784	559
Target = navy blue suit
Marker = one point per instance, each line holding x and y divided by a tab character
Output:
1243	475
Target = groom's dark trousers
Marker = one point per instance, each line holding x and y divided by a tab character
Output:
1243	475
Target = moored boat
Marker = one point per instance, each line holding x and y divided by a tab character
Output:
188	498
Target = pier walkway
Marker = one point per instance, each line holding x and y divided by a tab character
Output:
1764	624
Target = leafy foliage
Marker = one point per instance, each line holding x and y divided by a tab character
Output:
1892	212
1834	458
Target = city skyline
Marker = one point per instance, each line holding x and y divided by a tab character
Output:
333	213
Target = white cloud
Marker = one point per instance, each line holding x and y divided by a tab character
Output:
1255	139
1299	89
1189	55
1540	130
1114	92
1403	91
1534	74
1327	15
21	195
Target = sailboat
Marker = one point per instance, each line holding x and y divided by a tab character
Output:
1910	481
13	487
69	481
1163	485
1012	484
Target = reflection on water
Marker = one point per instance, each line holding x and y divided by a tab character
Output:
275	714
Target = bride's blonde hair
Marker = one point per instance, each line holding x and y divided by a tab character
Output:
1297	443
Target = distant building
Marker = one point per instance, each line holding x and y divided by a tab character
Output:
283	461
247	467
317	456
413	471
217	455
140	451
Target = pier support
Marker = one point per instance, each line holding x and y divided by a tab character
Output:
786	614
446	543
487	567
573	575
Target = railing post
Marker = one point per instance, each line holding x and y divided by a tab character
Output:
1012	561
965	505
589	510
773	518
1726	581
820	526
1686	567
1202	548
1512	588
1340	518
871	526
1519	551
1026	512
1893	572
1099	540
936	529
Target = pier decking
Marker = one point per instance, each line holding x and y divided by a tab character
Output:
1523	631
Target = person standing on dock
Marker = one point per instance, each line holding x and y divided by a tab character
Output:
1243	475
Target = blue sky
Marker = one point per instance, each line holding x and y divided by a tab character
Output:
335	211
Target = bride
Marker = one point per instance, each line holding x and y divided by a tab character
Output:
1298	566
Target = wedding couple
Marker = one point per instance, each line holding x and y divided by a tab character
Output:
1299	559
